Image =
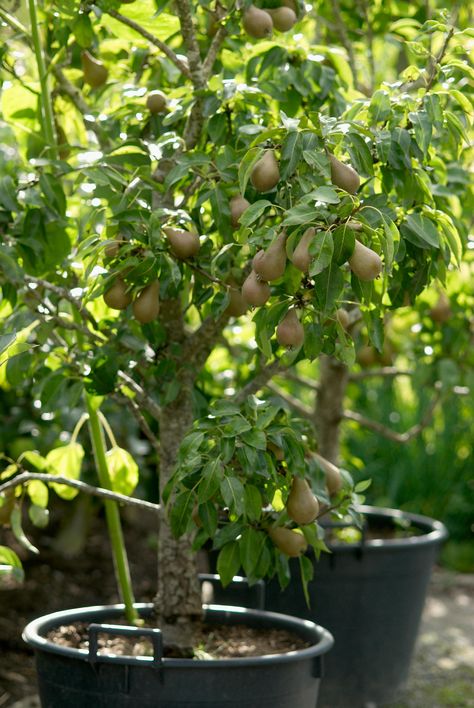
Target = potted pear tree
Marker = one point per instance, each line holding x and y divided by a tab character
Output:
174	174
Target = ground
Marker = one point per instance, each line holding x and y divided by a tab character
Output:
442	674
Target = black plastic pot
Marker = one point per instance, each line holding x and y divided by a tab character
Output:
75	678
370	595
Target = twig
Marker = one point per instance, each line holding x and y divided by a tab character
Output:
153	40
64	294
147	431
302	380
428	76
386	371
26	477
151	406
298	407
216	44
260	380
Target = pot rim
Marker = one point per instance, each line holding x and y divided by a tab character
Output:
33	634
435	531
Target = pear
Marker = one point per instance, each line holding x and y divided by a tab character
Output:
366	356
266	173
301	257
290	331
112	248
287	541
238	205
343	318
117	297
291	4
270	264
184	244
156	102
364	262
147	305
283	18
94	72
237	305
257	23
333	475
255	291
343	176
302	506
276	450
441	311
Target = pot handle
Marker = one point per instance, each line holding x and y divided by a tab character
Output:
151	633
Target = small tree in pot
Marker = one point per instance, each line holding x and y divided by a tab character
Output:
229	178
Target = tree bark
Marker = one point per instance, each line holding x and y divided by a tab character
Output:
329	408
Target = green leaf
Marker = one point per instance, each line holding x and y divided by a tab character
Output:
15	523
221	211
11	569
362	486
344	241
162	26
211	479
253	502
321	249
190	445
380	108
301	214
451	235
307	572
255	438
420	231
82	30
228	562
38	493
39	517
251	544
328	287
254	211
324	194
180	513
232	491
390	242
423	128
290	154
123	470
65	461
361	158
8	194
209	517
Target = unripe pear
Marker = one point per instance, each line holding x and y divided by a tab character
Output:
301	257
183	244
290	542
238	205
255	291
332	473
290	331
237	305
156	102
283	18
117	297
94	72
441	311
364	262
266	173
343	176
343	318
257	23
302	506
270	264
147	305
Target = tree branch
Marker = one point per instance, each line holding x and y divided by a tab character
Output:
260	380
385	371
147	431
26	477
428	75
153	40
149	404
64	294
298	407
302	380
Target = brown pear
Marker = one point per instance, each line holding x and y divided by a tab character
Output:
112	248
147	305
366	356
117	297
302	506
283	18
257	23
255	291
290	331
364	262
266	173
343	176
301	257
332	473
343	318
94	72
237	305
441	311
238	205
290	542
183	244
270	264
156	102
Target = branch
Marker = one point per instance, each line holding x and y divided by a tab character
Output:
302	380
26	477
384	371
153	40
390	434
298	407
428	76
149	404
64	294
260	380
216	44
147	431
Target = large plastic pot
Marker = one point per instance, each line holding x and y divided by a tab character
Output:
75	678
370	595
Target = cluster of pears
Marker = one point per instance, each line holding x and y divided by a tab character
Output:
260	24
303	508
94	72
146	305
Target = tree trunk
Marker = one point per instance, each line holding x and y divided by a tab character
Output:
328	412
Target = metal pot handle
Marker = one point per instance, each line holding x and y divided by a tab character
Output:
151	633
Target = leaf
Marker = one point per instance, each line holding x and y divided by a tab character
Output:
190	445
423	128
328	287
390	243
162	26
321	249
210	481
380	107
15	523
246	166
420	231
228	562
344	241
361	159
123	470
253	502
8	194
324	194
251	545
254	211
221	211
301	214
39	517
65	461
307	572
255	438
11	569
451	235
38	493
180	513
290	154
232	491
